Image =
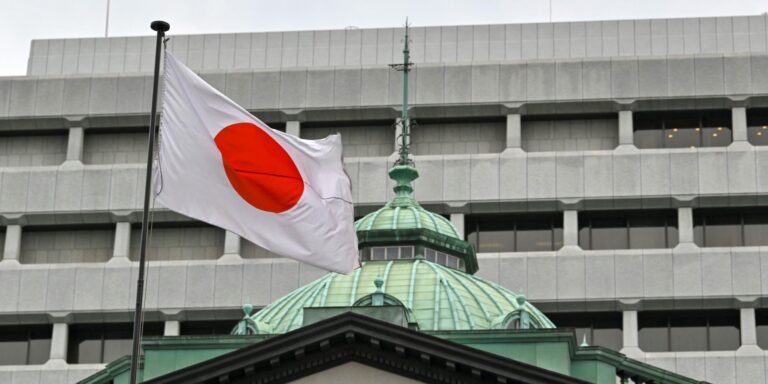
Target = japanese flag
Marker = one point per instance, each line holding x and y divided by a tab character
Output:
221	165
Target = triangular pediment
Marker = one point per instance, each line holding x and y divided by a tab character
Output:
330	346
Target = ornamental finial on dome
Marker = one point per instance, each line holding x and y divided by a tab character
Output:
249	326
403	172
405	121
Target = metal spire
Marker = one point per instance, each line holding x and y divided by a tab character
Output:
403	172
405	121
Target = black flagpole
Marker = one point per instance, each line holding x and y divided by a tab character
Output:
160	27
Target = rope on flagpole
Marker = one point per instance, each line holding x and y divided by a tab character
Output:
158	169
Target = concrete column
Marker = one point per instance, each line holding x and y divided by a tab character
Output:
626	129
748	327
75	146
59	344
457	219
12	250
122	247
570	228
172	328
739	122
231	246
629	331
293	128
514	131
739	128
685	224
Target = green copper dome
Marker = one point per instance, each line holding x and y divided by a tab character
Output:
403	221
413	216
404	212
437	297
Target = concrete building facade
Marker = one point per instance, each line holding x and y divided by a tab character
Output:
550	146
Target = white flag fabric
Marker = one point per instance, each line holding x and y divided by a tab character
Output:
221	165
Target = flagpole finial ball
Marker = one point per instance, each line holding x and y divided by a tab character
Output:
160	26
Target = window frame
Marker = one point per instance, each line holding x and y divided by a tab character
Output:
661	121
29	332
670	316
757	125
700	224
761	320
669	218
553	218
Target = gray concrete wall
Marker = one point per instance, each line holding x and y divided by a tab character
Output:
570	135
574	278
192	285
714	367
567	280
505	177
626	78
446	44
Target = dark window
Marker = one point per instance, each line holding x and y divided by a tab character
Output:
103	343
600	328
207	328
757	126
443	259
682	129
653	331
25	344
533	235
730	227
723	230
515	233
761	320
755	229
607	232
653	231
677	331
628	229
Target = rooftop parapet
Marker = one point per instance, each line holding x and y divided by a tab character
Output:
431	45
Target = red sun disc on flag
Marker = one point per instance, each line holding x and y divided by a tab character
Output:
259	168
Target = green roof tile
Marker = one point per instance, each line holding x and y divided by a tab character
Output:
440	298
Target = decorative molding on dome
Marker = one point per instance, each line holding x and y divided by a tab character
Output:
423	237
249	326
439	298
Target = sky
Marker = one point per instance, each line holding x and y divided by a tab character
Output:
24	20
